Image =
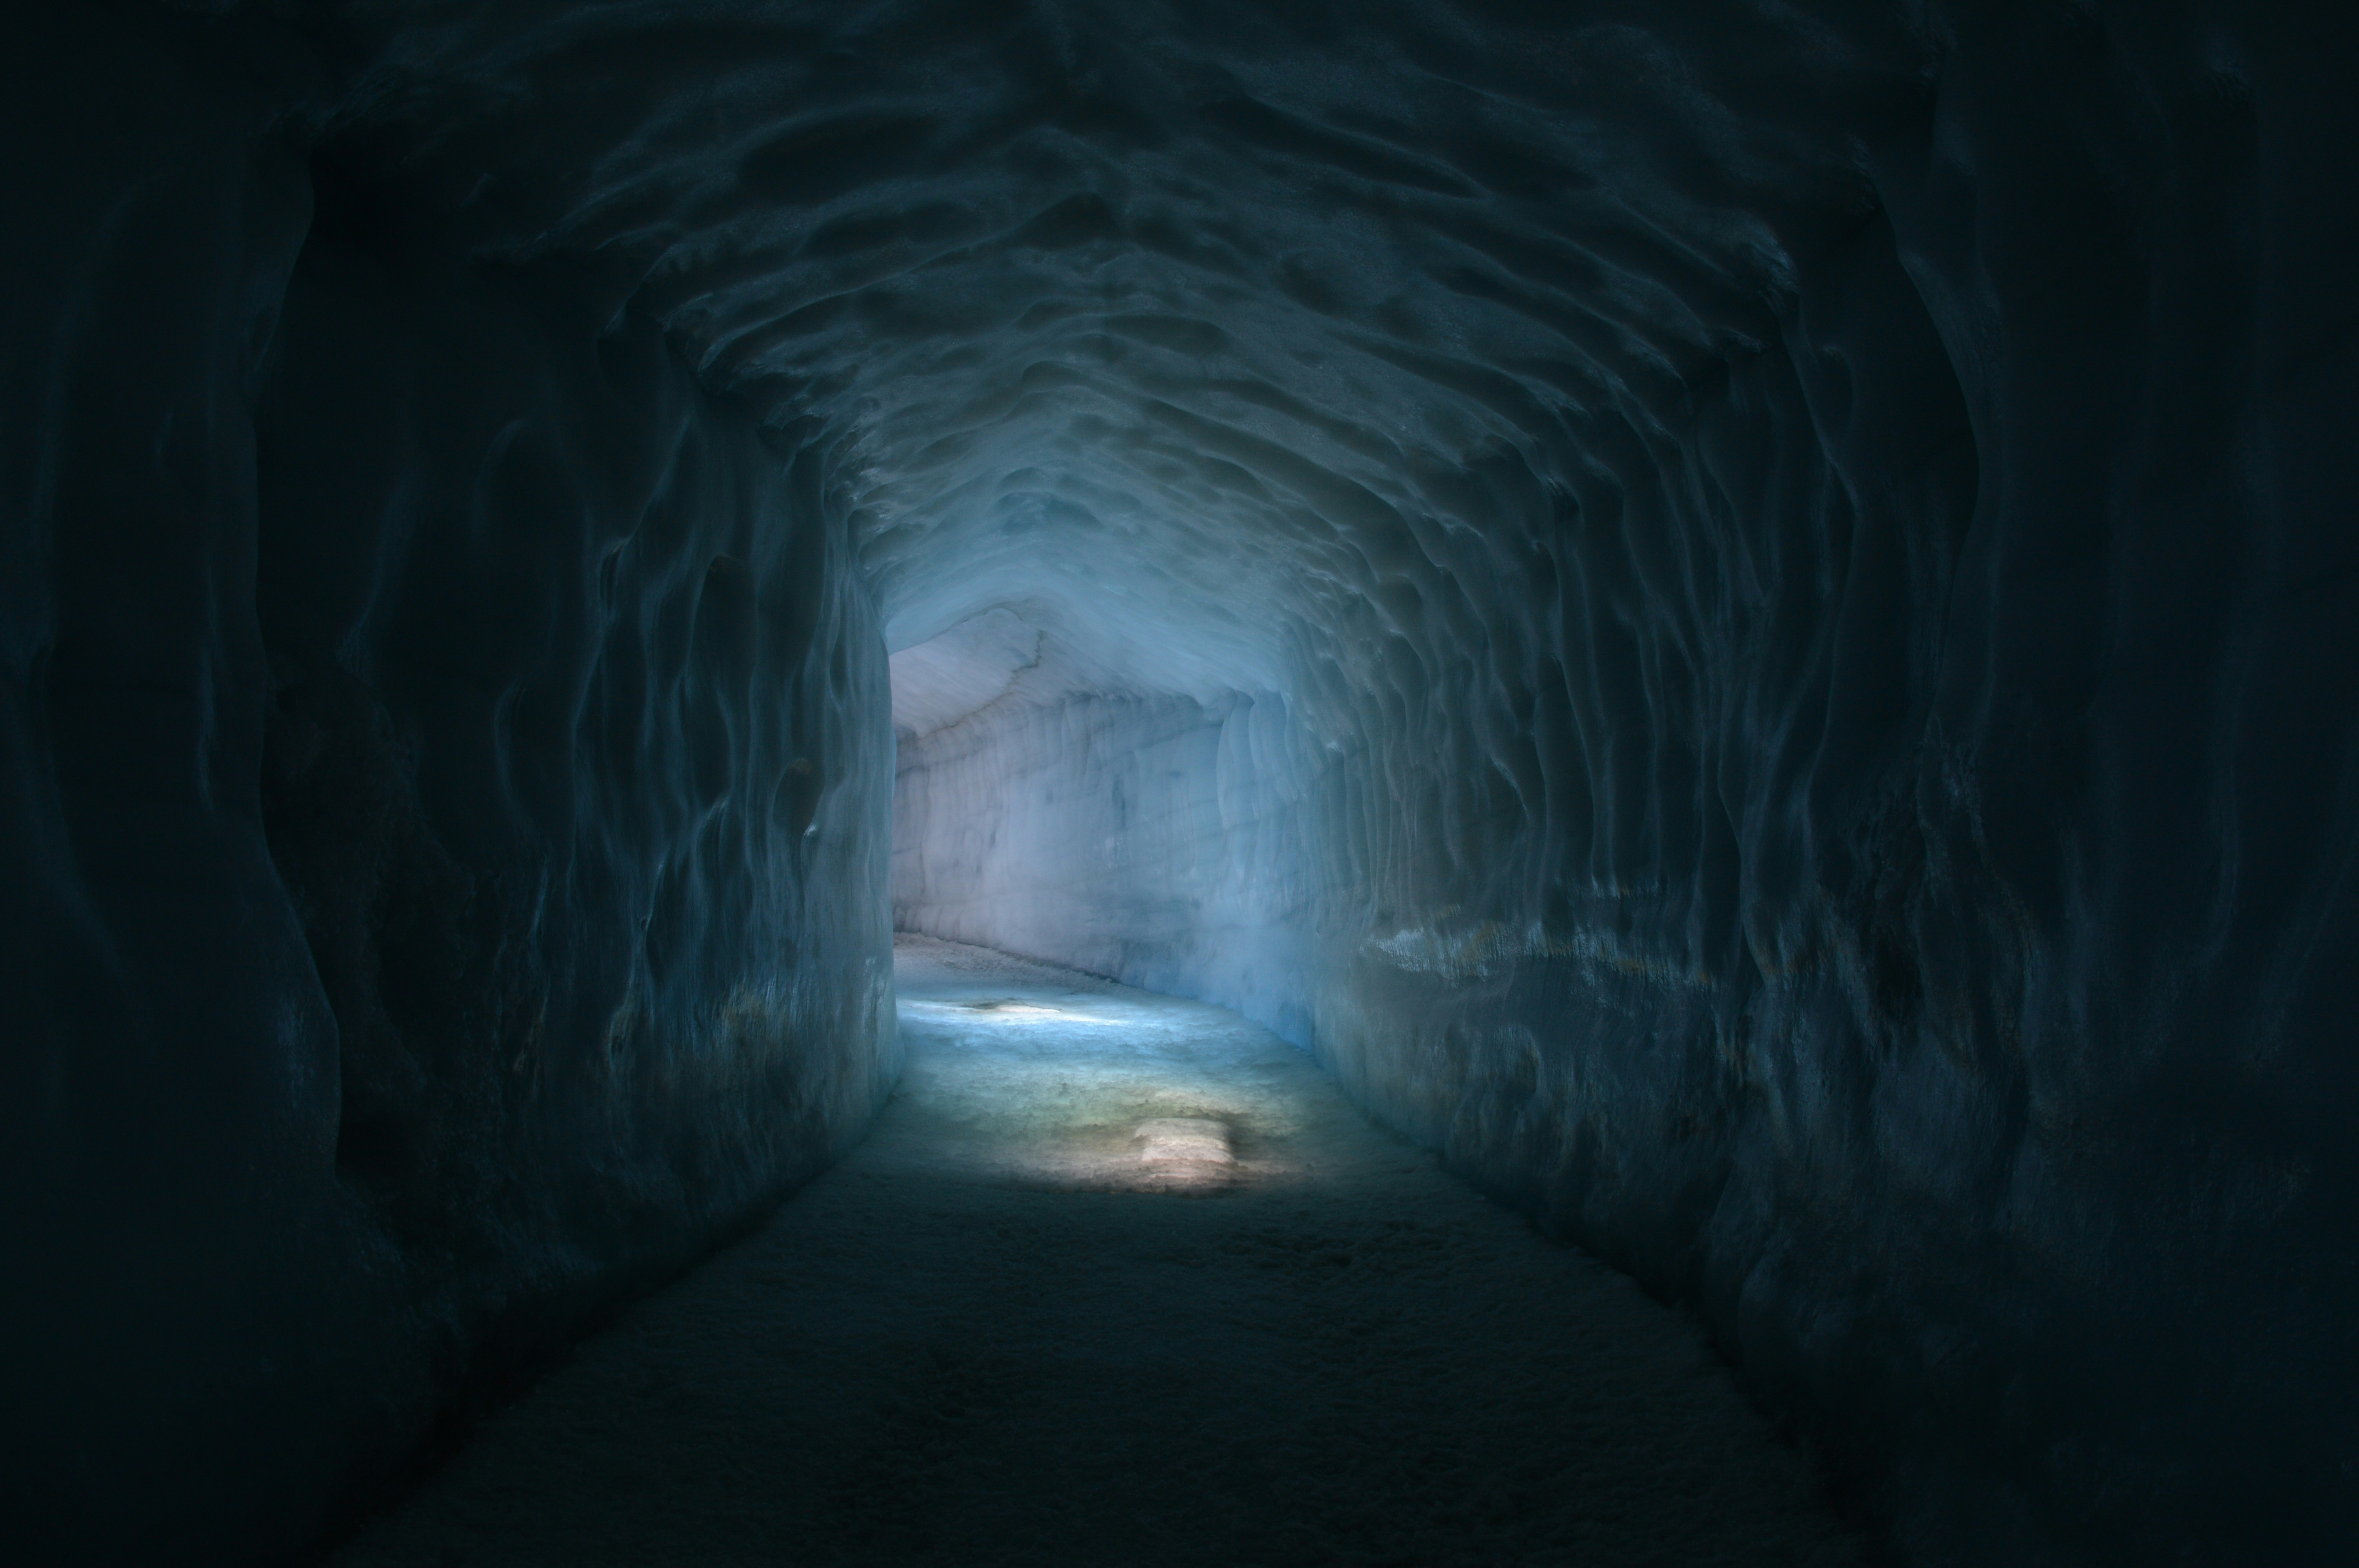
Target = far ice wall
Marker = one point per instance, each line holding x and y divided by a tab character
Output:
1154	838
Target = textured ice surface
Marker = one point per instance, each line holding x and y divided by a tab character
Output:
1000	1332
1739	613
444	879
961	671
1142	835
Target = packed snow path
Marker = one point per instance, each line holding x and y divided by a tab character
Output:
1121	1280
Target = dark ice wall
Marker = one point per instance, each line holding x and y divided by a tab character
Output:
1933	945
441	883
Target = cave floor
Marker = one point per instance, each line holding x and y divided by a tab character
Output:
1118	1279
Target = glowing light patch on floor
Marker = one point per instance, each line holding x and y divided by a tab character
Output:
1169	1139
1042	1078
1185	1152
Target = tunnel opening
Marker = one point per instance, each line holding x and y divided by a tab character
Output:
1074	811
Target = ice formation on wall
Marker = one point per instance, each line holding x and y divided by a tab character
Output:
1738	613
1142	835
958	673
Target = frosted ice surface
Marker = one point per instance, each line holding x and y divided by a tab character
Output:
949	676
1182	1139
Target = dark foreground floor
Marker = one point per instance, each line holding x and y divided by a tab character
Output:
1121	1280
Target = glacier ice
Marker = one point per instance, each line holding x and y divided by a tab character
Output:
1737	615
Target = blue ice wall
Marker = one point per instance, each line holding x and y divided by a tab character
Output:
1151	839
445	833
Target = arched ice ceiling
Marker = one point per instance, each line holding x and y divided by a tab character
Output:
1217	336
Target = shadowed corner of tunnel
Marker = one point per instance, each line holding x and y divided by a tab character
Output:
1620	727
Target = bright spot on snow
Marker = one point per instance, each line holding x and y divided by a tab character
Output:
1045	1078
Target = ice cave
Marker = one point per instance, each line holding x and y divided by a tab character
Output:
1437	782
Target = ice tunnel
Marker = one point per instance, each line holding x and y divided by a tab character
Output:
1738	615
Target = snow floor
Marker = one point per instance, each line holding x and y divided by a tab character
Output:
1123	1280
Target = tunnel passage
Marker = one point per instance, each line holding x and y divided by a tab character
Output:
1736	615
1125	827
1117	1277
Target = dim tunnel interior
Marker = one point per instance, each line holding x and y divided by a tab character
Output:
1726	623
1117	1277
